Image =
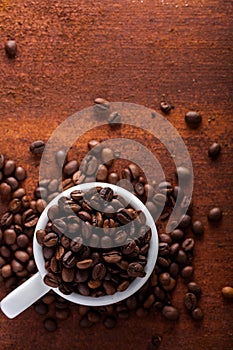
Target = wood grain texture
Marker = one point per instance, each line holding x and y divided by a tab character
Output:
133	51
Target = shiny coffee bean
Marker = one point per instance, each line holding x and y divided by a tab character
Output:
20	173
50	324
193	119
71	167
194	288
37	147
215	214
198	228
12	182
190	301
11	48
5	190
197	314
114	118
214	150
171	313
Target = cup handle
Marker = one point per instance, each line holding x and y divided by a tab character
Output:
24	296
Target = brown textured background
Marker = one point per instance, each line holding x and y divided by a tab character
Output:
134	51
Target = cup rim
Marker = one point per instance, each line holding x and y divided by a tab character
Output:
136	284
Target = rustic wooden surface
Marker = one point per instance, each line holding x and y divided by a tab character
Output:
134	51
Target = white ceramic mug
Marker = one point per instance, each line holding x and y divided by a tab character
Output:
34	288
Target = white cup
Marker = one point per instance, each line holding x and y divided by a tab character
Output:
34	288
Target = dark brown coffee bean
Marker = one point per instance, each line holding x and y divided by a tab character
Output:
183	173
181	257
185	221
120	237
99	272
83	289
25	202
85	322
41	308
193	119
15	205
94	240
190	301
136	270
114	118
112	257
69	259
85	216
129	247
227	292
177	235
141	312
67	275
16	266
37	147
194	288
164	278
19	193
188	244
197	314
62	314
40	234
9	167
109	287
106	193
12	182
60	157
187	272
29	219
214	150
50	324
159	199
5	190
149	301
70	168
9	236
92	165
155	342
163	249
106	242
5	252
59	226
102	173
22	256
81	276
139	189
215	214
6	219
50	239
40	205
6	271
20	173
171	313
84	264
51	280
93	144
110	322
11	48
198	228
113	178
31	266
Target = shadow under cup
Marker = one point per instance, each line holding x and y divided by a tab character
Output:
137	283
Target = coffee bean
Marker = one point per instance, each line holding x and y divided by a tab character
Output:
16	266
107	156
106	193
197	314
2	161
134	170
136	270
83	289
84	264
29	219
94	145
70	168
171	313
37	147
20	173
183	173
40	205
99	272
50	239
188	244
227	292
50	324
198	228
185	221
177	235
102	173
166	107
5	190
215	214
41	192
11	48
6	271
22	256
12	182
113	178
6	219
214	150
60	157
181	257
114	118
9	236
120	237
187	272
193	119
190	301
59	226
112	257
51	280
62	314
41	308
194	288
139	189
69	259
155	342
164	278
67	274
102	102
109	322
19	193
85	322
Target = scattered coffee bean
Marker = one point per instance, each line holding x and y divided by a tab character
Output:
197	314
11	48
214	150
215	214
166	107
198	228
193	119
227	292
50	324
190	301
171	313
37	147
114	118
194	288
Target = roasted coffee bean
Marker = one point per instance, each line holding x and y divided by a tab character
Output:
94	240
124	216
9	236
110	322
170	312
185	221
99	272
136	270
188	244
155	342
22	256
163	249
12	182
227	292
174	248
106	193
197	314
177	235
62	314
193	119
83	289
40	235
70	168
37	147
50	324
129	247
85	216
187	272
102	173
59	226
112	257
141	312
84	264
166	107
109	287
85	322
2	161
6	219
139	189
113	178
190	301
5	252
114	118
20	173
214	150
164	278
159	199
181	257
123	286
48	252
76	244
215	214
183	173
120	237
25	202
9	168
81	276
11	48
6	271
53	185
29	219
40	205
50	239
15	205
93	145
106	242
198	228
16	266
61	157
51	280
149	301
69	259
19	193
102	103
5	190
194	288
41	308
67	274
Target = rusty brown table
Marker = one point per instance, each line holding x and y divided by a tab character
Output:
132	51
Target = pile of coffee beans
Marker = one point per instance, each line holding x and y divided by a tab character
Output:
93	262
